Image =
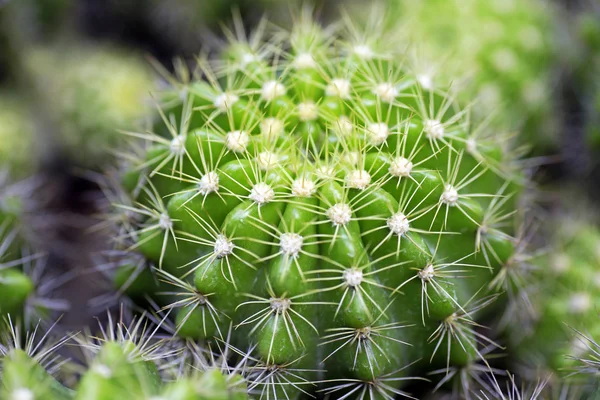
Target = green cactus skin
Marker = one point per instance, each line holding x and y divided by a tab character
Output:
342	216
502	49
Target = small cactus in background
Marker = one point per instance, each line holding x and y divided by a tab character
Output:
16	135
589	64
94	92
27	285
503	52
558	304
121	360
345	218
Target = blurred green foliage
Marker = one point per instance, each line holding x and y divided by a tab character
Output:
96	91
17	149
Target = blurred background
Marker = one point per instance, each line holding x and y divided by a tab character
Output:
74	74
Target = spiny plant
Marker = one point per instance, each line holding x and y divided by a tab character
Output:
503	51
563	294
16	135
94	92
589	32
27	286
307	188
120	360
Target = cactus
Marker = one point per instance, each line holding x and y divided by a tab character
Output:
123	360
95	92
14	281
502	49
589	65
16	135
26	283
346	219
561	293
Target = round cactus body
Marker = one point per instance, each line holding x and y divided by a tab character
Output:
344	219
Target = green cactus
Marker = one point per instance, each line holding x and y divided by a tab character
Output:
16	135
123	360
26	283
500	52
588	67
345	218
16	286
560	300
94	92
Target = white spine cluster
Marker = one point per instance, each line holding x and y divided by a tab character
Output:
248	58
271	128
261	193
504	60
209	183
450	196
237	141
303	187
304	61
400	167
378	133
398	224
225	101
531	37
339	87
364	51
580	303
164	222
434	129
471	145
358	179
353	277
291	244
102	370
272	89
308	111
339	214
561	263
177	146
427	273
223	246
267	160
343	126
22	394
280	306
426	81
386	92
